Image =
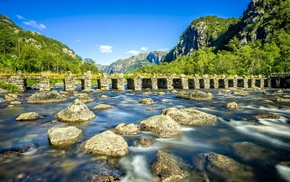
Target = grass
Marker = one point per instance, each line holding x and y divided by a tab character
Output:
9	87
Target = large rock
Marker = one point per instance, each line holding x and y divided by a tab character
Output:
147	101
161	125
103	106
46	97
190	116
76	112
195	95
29	116
84	97
127	129
63	136
106	143
232	106
223	168
166	168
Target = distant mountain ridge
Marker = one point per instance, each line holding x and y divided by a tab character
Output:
129	65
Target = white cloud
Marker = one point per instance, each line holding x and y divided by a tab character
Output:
105	49
144	48
134	52
31	23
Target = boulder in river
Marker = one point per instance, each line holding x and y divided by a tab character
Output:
76	112
146	141
167	168
190	116
220	167
195	95
84	97
232	106
106	143
161	125
103	106
62	136
46	97
147	101
127	129
28	116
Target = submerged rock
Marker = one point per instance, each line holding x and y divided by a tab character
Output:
46	97
267	116
103	106
29	116
251	152
17	151
232	106
127	129
106	143
195	95
146	141
100	170
240	92
168	168
190	116
63	136
76	112
161	125
147	101
221	167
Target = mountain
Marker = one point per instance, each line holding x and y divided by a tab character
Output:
259	21
32	52
129	65
256	43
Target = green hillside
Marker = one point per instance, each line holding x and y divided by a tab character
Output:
257	43
32	52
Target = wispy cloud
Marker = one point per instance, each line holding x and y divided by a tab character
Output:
144	48
105	49
134	52
31	23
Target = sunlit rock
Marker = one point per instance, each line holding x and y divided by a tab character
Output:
46	97
161	125
147	101
127	129
106	143
190	116
232	106
84	97
15	102
220	167
103	106
76	112
195	95
283	99
29	116
63	136
169	168
146	141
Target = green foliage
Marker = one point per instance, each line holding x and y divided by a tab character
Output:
30	82
9	87
32	52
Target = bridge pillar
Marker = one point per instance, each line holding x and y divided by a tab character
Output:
105	82
215	82
44	83
246	85
269	82
87	83
69	82
169	82
196	82
206	81
253	81
121	82
226	81
235	81
184	82
154	82
138	83
262	81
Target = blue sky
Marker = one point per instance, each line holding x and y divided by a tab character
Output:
109	30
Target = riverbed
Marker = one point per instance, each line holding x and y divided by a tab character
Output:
40	161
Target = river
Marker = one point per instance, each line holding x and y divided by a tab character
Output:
44	162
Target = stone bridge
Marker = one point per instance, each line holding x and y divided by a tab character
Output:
138	82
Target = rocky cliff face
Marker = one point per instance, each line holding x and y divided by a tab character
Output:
203	32
131	64
259	21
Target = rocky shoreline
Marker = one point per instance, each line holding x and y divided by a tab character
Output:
165	166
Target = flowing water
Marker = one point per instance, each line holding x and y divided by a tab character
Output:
44	162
